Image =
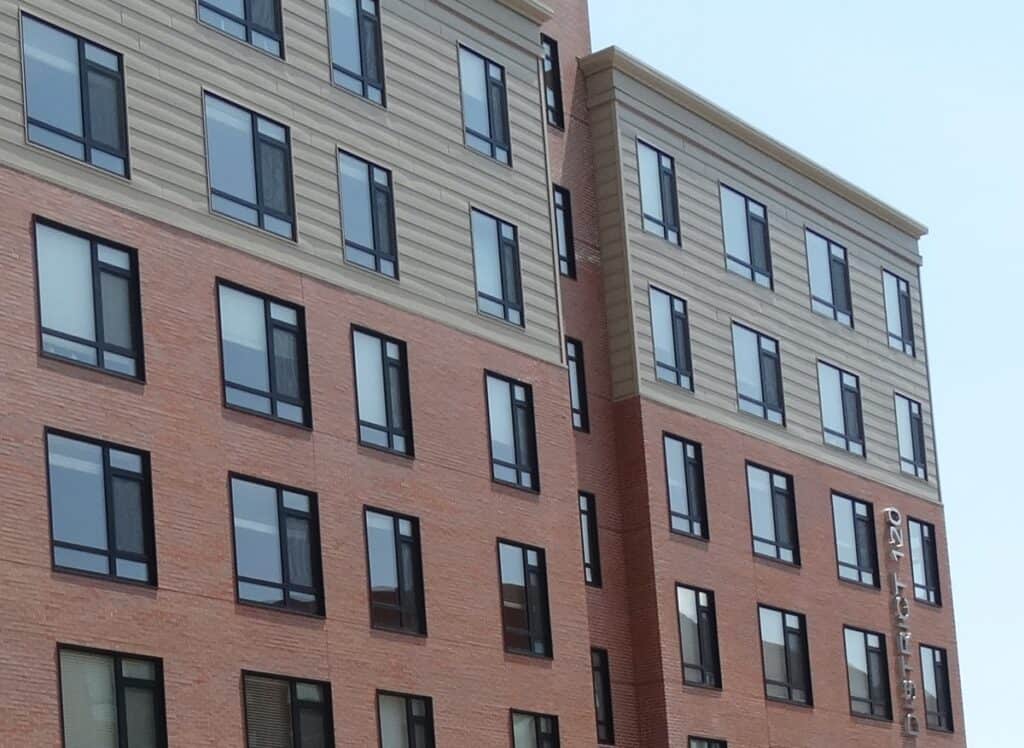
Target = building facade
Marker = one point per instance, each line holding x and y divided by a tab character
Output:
403	373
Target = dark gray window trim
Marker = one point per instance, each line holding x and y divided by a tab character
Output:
553	82
853	413
368	28
839	278
412	720
681	369
510	268
497	110
525	463
750	269
577	366
694	523
668	196
918	465
864	541
538	606
780	497
769	367
878	679
249	26
563	216
589	529
928	590
708	661
384	227
543	740
600	669
396	378
940	720
415	544
324	708
792	679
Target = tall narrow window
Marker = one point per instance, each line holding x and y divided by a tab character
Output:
484	106
564	232
396	572
111	700
899	317
868	673
368	215
257	22
249	161
524	599
577	385
924	559
707	743
745	229
684	471
277	546
286	712
405	721
758	374
357	58
841	418
698	636
591	548
513	438
830	278
856	551
89	309
499	290
101	508
787	670
602	696
910	433
382	392
552	82
658	198
938	705
534	730
671	331
773	514
74	96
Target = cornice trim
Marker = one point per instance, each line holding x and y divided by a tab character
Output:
535	10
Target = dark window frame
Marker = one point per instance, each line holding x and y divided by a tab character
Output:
884	705
510	269
498	121
552	82
575	361
696	494
940	720
529	441
248	24
377	191
842	283
710	662
391	367
918	465
552	740
325	707
929	590
367	82
693	741
415	543
864	542
411	719
590	532
681	369
905	340
600	670
790	498
538	632
562	200
852	400
749	269
669	197
790	684
769	364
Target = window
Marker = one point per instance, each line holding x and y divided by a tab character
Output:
658	193
249	161
938	707
382	392
484	106
899	319
499	290
758	374
405	721
867	670
577	384
110	700
513	441
591	548
773	514
552	82
357	58
698	636
684	471
564	233
524	599
395	572
285	712
74	96
787	671
368	215
856	551
534	730
706	743
89	309
671	331
830	278
924	559
101	508
263	353
257	22
602	696
841	417
277	546
910	431
745	230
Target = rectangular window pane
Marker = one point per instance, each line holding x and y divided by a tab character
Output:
257	531
230	150
370	379
88	700
602	696
524	599
357	212
734	226
52	86
268	712
650	183
105	109
65	283
552	82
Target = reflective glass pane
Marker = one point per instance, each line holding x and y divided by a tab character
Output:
140	718
688	626
105	110
486	258
734	224
87	700
474	92
748	363
355	198
773	645
52	87
762	515
846	548
230	149
128	523
77	493
857	664
394	729
661	324
268	712
380	538
524	731
275	187
300	551
370	379
117	315
831	398
244	337
819	267
650	182
345	36
65	282
257	532
499	408
287	378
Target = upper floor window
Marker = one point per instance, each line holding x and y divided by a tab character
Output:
405	721
101	508
263	352
707	743
856	551
499	290
287	712
513	438
671	330
745	229
396	572
382	392
841	417
89	309
577	385
602	696
938	705
74	96
773	514
910	433
534	730
564	232
484	106
698	636
552	82
591	547
249	161
758	374
924	559
787	669
899	317
257	22
867	671
830	278
684	471
110	700
368	215
524	599
658	198
277	546
357	59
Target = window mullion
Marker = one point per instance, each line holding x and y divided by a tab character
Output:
386	393
282	530
97	303
122	721
84	93
108	490
399	571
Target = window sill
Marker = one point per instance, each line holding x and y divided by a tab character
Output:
501	320
372	273
703	541
491	159
338	87
405	456
530	657
703	687
860	585
516	487
788	702
268	417
791	565
92	367
403	633
108	578
927	604
871	718
257	229
243	42
126	178
252	605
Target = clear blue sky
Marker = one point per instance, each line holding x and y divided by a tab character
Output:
922	104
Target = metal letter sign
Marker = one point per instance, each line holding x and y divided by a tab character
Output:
901	619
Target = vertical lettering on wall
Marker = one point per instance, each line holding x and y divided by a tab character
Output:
901	620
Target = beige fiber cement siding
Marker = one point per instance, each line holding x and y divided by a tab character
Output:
171	59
